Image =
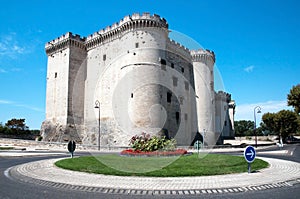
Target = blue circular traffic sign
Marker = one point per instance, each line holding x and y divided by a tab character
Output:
249	154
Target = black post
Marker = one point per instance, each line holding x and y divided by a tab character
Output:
97	106
249	167
71	147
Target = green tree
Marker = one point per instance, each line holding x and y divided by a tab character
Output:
243	128
18	124
294	98
282	123
268	123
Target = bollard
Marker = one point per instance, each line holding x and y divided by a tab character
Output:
71	147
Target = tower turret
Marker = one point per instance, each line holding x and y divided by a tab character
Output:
63	110
203	64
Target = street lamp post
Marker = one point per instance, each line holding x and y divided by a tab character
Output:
258	111
97	106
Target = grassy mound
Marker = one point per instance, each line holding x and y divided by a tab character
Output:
189	165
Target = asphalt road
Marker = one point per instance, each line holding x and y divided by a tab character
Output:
14	189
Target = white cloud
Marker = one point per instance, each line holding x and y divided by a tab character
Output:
16	69
249	69
246	111
2	70
16	104
10	47
5	102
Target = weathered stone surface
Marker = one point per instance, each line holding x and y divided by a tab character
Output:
143	80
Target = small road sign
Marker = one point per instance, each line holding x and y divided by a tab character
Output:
249	154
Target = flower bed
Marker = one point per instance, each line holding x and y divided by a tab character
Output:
131	152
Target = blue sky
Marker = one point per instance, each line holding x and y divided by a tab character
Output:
257	45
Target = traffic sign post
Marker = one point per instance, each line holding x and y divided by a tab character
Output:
198	145
71	147
249	155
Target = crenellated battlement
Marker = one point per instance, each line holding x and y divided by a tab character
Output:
178	48
107	34
201	54
126	24
65	41
223	96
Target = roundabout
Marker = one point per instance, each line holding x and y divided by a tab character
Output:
47	174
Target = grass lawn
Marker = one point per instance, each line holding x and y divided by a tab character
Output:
191	165
6	148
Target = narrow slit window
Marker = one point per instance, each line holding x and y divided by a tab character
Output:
55	75
172	65
136	45
175	80
186	85
169	97
177	117
131	95
104	57
182	69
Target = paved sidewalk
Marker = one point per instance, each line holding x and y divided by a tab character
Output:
280	173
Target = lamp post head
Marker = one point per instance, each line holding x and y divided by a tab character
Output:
259	111
97	104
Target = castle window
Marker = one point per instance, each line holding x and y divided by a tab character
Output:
163	61
172	65
186	85
175	80
136	45
169	96
131	95
104	57
177	117
55	75
182	69
225	123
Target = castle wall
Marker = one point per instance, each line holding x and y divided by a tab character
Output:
57	87
144	82
124	57
224	115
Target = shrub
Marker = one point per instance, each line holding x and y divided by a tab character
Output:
131	152
145	142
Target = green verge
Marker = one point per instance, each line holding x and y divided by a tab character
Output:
6	148
188	165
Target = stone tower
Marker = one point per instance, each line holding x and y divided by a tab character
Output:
203	62
63	110
143	81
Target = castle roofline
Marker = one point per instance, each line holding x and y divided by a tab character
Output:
128	23
200	53
62	42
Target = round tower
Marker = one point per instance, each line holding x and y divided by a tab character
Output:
127	62
203	65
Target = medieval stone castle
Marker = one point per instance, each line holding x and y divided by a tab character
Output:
131	78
